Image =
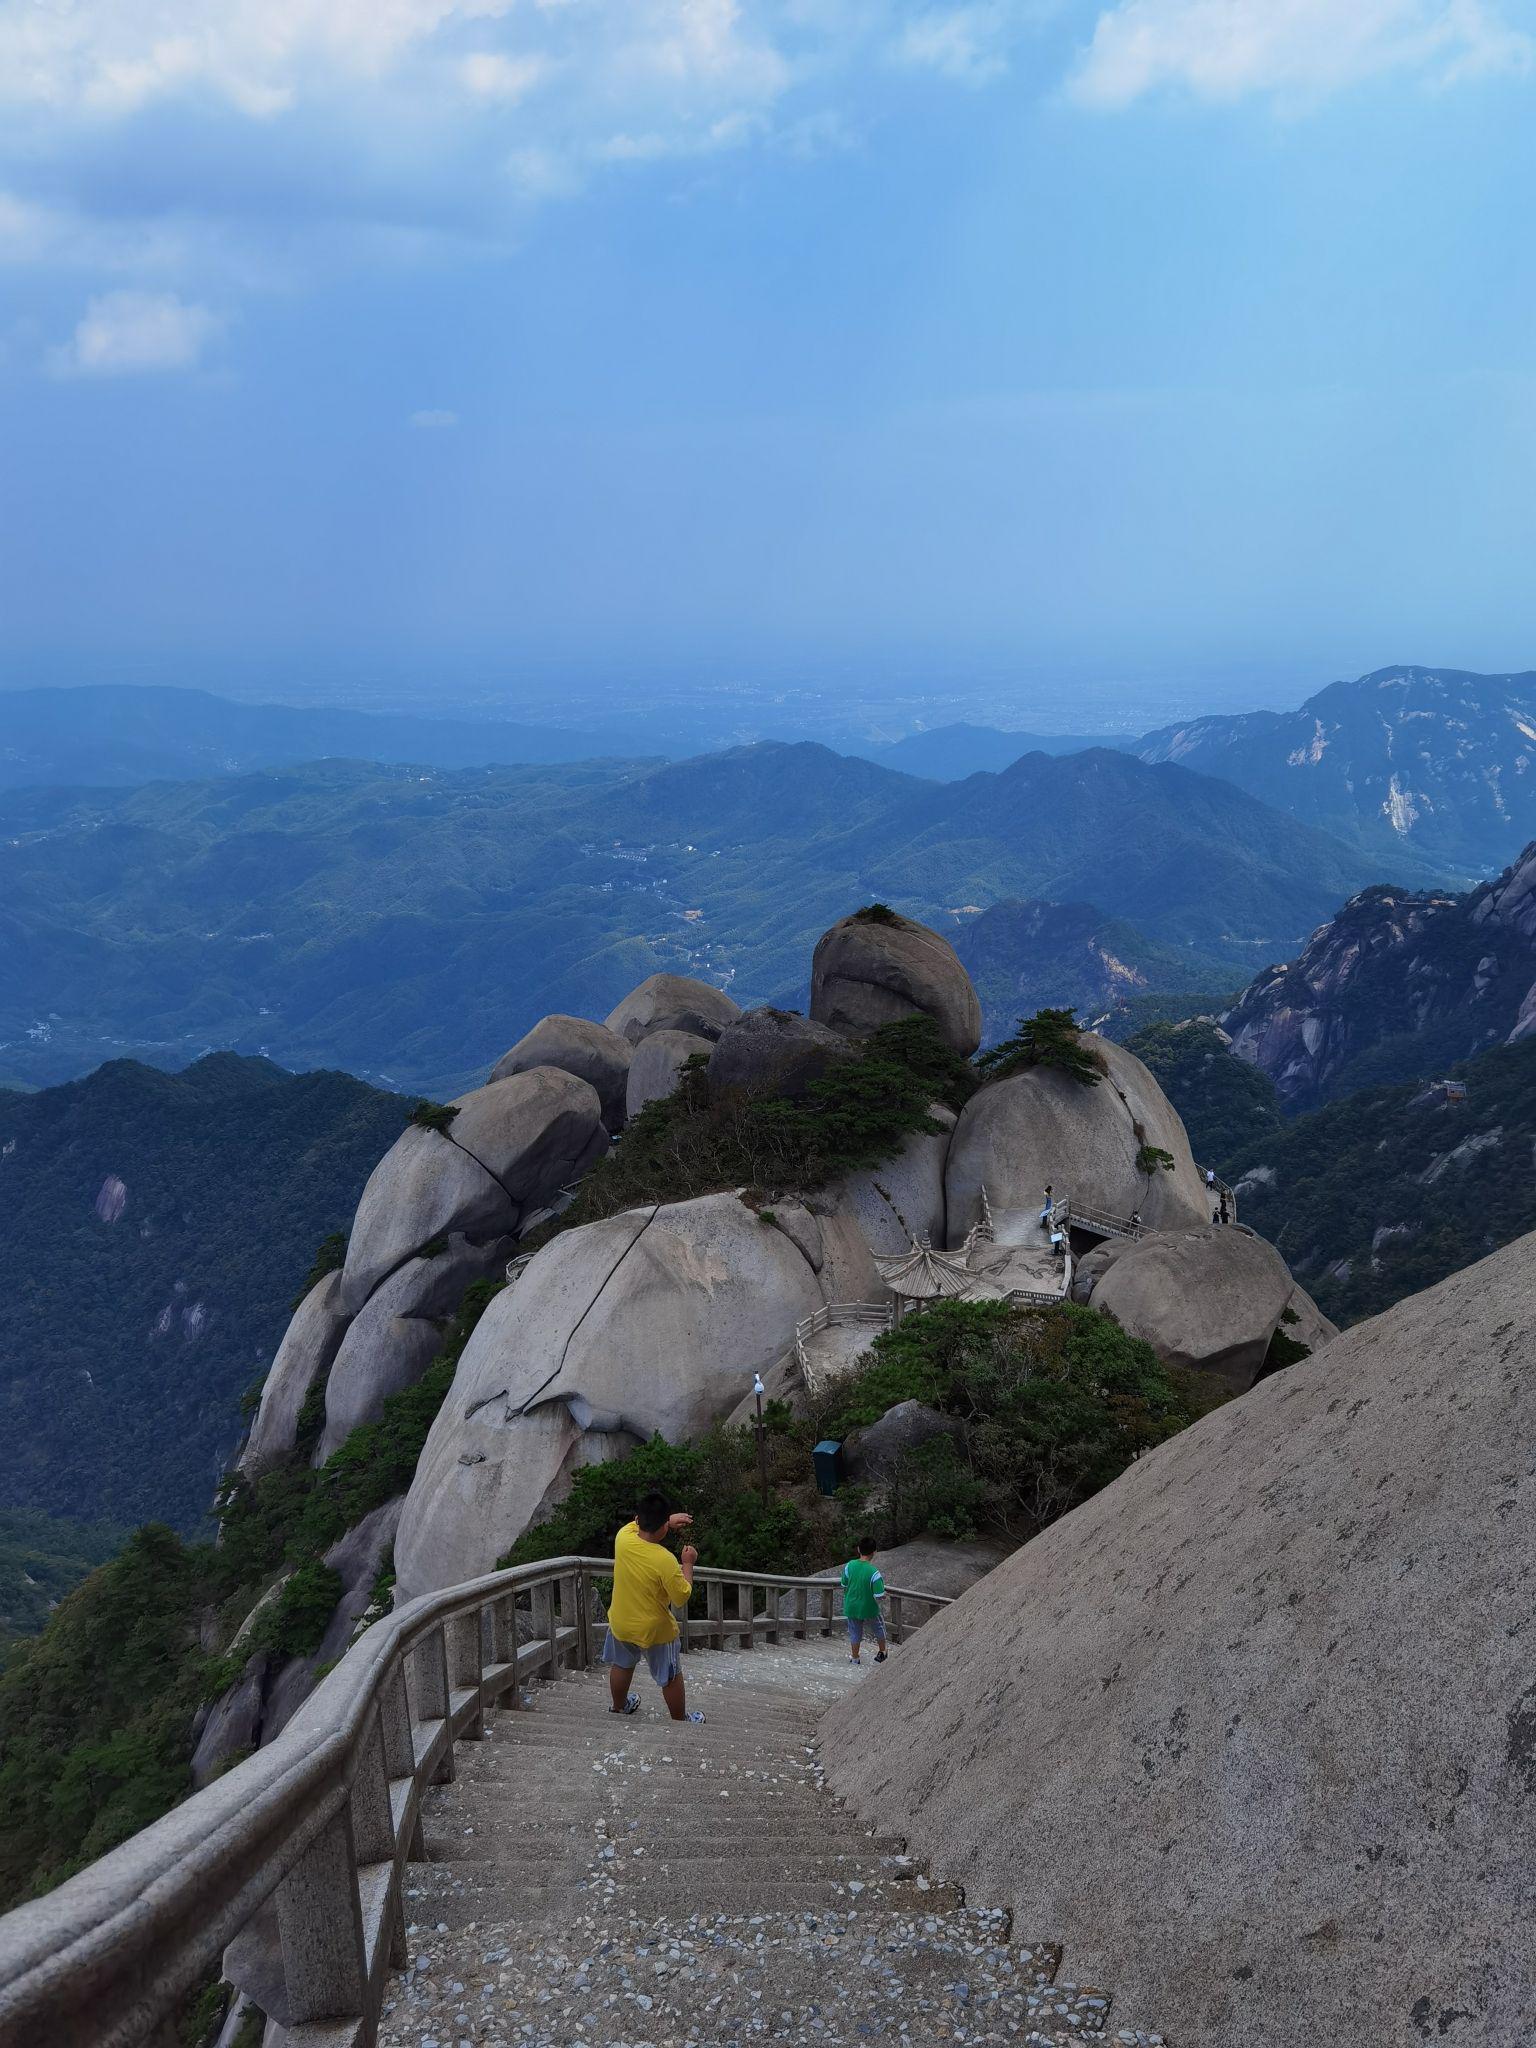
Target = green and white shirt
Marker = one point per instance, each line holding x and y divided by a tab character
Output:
863	1590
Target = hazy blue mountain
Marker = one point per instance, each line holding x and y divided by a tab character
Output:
1434	769
154	1229
409	925
948	753
123	735
1023	956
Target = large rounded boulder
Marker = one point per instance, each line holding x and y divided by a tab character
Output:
652	1320
1095	1144
575	1045
904	1197
874	968
309	1346
773	1052
512	1147
1209	1298
397	1332
673	1002
657	1065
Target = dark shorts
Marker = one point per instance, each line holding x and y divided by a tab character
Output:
856	1628
662	1660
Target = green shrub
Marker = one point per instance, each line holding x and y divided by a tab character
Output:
1152	1158
1055	1403
330	1257
876	913
1283	1351
294	1623
1051	1038
433	1116
857	1116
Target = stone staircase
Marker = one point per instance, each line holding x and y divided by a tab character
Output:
597	1882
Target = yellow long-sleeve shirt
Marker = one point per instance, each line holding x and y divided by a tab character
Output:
647	1584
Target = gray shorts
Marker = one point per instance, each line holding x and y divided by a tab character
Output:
856	1629
663	1660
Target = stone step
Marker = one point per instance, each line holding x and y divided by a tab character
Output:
507	1804
492	1903
562	1766
632	1736
719	1702
641	1863
662	1842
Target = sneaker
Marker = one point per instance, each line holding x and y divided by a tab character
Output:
880	1656
631	1705
696	1715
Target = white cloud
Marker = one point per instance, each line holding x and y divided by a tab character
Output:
495	75
434	418
968	43
128	333
1228	49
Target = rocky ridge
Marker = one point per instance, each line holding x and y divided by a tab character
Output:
1394	984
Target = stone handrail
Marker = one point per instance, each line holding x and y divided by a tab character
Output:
1101	1221
323	1821
878	1315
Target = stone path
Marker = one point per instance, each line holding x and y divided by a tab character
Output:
604	1883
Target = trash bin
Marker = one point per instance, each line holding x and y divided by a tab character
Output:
828	1460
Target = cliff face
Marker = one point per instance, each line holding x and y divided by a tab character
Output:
1397	983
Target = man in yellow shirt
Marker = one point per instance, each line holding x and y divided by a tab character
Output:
647	1584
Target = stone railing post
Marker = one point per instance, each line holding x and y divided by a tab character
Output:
431	1662
714	1600
398	1741
504	1645
744	1614
541	1606
465	1669
320	1927
898	1631
802	1604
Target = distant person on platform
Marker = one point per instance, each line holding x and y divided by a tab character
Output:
863	1590
648	1583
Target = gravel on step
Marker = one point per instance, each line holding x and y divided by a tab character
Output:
698	1980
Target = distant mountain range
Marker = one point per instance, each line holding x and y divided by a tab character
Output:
154	1229
1436	767
120	736
1430	771
948	753
409	925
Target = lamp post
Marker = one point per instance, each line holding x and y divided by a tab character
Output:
759	1390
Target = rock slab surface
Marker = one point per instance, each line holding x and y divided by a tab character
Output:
1264	1710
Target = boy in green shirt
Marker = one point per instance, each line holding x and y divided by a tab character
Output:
863	1590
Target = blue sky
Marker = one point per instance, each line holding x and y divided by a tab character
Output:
1148	337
